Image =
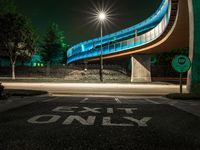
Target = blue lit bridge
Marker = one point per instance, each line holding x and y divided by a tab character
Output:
167	29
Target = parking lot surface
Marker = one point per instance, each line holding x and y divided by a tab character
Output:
92	123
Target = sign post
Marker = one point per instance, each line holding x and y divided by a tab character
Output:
181	64
181	83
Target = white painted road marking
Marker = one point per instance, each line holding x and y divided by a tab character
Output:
51	99
90	120
151	101
84	100
106	121
87	109
141	123
73	109
110	110
64	109
51	119
117	100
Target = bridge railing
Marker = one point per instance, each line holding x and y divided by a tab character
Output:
146	25
135	42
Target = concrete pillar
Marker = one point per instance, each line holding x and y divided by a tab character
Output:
193	84
141	68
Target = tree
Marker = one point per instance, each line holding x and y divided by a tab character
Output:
167	57
7	6
17	37
53	47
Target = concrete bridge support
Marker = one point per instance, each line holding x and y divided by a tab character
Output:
141	68
193	83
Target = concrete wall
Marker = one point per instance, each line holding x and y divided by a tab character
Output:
141	68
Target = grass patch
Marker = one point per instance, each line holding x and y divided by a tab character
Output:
14	92
185	96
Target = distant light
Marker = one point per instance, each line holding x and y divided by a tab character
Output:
102	16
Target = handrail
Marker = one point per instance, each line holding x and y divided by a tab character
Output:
87	52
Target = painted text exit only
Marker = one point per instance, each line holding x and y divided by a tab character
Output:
90	119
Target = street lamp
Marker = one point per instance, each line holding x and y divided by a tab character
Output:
101	17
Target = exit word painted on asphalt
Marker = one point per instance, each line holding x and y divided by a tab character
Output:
125	121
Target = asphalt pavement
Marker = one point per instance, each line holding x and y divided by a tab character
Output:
97	123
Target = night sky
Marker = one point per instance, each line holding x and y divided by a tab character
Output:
73	16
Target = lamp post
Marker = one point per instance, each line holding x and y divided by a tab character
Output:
101	18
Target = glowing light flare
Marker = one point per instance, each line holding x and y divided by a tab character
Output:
101	13
102	16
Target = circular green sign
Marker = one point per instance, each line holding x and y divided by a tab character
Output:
181	63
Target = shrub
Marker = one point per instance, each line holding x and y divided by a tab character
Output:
195	89
3	96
